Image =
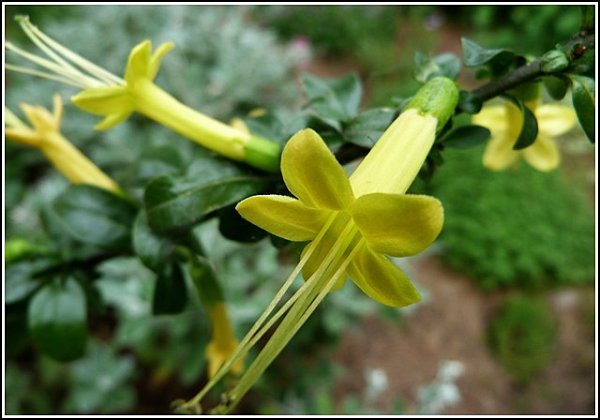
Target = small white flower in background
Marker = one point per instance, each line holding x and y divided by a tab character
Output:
377	383
442	392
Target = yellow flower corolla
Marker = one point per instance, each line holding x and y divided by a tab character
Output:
370	207
114	98
223	342
505	121
45	135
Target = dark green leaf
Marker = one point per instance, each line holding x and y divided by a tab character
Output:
588	18
445	64
475	55
466	136
95	216
205	281
333	100
235	227
556	87
15	324
152	249
170	292
529	129
584	100
469	102
367	127
175	203
21	278
57	319
157	161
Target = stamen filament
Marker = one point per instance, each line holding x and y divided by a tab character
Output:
49	76
247	342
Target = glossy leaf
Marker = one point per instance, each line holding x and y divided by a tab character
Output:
175	203
205	281
170	292
365	129
57	319
336	99
95	216
466	136
529	129
150	248
475	55
445	64
157	161
469	102
584	102
556	87
233	226
21	279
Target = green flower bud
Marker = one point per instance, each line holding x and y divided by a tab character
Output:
554	61
438	98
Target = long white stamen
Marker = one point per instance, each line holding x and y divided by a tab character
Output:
87	65
41	74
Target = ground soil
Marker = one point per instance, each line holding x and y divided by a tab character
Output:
451	326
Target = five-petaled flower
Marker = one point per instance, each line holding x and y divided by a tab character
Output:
116	98
505	123
45	135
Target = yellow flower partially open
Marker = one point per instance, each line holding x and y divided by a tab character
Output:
505	121
45	135
223	342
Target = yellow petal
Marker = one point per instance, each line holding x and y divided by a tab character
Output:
312	173
138	65
499	153
157	57
543	154
492	117
25	136
312	265
381	280
104	100
39	117
111	121
555	119
283	216
398	224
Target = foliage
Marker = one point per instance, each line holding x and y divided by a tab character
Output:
522	337
518	228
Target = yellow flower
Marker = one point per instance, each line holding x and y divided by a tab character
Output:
505	123
376	217
115	98
223	342
352	225
45	135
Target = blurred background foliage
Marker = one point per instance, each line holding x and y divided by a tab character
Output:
518	230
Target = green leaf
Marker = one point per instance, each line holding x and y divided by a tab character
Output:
529	129
367	127
21	278
152	249
469	102
584	102
205	282
466	136
176	203
94	216
57	319
445	64
157	161
235	227
556	86
333	100
475	55
170	292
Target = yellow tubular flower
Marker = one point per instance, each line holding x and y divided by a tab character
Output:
352	224
505	121
45	135
223	342
115	98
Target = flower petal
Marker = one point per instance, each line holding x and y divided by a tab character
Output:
312	173
111	121
138	65
492	117
157	56
555	119
381	280
25	136
543	154
398	224
499	153
283	216
316	259
104	100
